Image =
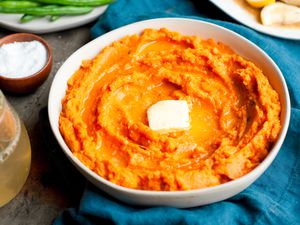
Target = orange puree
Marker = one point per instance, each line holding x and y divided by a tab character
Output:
234	112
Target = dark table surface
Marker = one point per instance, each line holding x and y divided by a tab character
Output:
44	194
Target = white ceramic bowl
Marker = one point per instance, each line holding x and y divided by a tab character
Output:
181	199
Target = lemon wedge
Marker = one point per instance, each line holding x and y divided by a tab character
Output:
280	14
260	3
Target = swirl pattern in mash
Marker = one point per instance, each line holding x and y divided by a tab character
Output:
234	112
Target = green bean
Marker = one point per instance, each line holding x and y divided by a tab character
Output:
54	18
27	18
76	2
18	4
44	11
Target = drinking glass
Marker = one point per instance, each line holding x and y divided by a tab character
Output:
15	152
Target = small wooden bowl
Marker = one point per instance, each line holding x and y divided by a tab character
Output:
29	83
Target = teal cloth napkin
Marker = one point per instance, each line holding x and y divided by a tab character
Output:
273	199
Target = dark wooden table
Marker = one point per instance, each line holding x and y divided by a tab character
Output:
45	194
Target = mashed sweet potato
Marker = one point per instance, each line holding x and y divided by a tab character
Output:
234	112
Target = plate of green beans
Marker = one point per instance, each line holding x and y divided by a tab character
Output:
45	16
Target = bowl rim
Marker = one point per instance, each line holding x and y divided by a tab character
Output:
36	38
214	189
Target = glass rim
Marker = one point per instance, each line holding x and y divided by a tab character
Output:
2	104
8	145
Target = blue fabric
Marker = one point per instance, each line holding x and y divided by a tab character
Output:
273	199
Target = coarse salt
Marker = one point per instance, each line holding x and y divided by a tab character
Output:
22	59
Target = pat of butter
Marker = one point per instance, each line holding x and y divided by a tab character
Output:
169	115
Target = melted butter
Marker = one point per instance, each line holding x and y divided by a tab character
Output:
160	45
204	124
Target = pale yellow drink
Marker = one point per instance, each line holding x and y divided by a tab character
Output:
15	153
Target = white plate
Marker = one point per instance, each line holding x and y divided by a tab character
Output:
245	14
42	26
